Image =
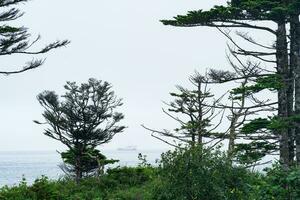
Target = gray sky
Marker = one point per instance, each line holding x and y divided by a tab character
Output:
121	42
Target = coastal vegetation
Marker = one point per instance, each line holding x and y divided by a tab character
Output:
181	174
221	139
83	120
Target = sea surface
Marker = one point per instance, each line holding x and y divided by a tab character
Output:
31	165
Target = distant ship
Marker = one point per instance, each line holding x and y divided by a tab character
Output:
128	148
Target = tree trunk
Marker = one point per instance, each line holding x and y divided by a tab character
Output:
234	122
78	162
193	137
200	115
290	96
78	171
295	63
232	137
283	71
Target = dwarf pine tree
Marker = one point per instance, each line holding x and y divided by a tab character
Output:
85	118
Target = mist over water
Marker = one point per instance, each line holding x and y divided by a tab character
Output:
31	165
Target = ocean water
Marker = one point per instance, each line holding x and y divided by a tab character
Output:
31	165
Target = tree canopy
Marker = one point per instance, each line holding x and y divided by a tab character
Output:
84	119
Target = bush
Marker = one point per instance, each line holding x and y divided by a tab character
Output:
201	174
183	174
131	176
134	193
118	183
279	184
19	192
42	188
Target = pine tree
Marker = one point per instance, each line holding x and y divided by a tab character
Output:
83	120
194	109
244	105
16	40
245	14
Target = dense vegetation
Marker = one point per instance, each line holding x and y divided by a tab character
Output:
187	173
197	169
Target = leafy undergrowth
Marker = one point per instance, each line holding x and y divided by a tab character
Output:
118	183
188	174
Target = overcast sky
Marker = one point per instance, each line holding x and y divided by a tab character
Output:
121	42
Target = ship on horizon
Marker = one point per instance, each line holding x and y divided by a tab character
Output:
128	148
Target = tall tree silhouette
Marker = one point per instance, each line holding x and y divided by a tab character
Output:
284	54
84	119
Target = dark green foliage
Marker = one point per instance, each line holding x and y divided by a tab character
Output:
42	188
89	164
279	184
188	174
83	120
249	153
271	82
200	174
200	17
121	183
264	123
255	125
93	162
19	192
264	9
238	10
143	192
86	115
261	138
131	176
246	14
16	40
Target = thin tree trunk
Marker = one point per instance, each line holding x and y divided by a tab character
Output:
233	125
283	71
232	137
291	90
78	171
193	138
78	163
295	62
200	113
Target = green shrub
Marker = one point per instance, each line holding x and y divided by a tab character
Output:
131	176
117	183
194	173
19	192
183	174
42	188
279	184
133	193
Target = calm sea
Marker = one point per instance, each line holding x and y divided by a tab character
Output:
32	165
